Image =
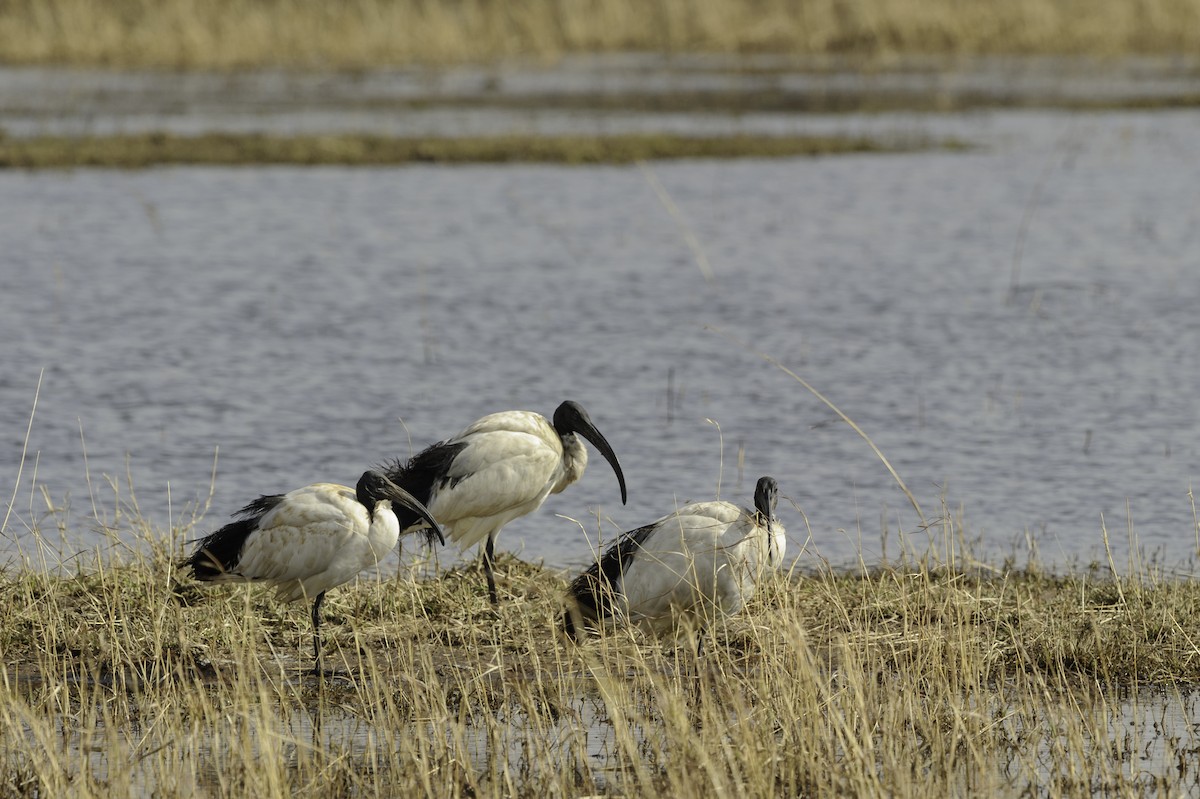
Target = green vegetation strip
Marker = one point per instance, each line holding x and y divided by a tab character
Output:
151	149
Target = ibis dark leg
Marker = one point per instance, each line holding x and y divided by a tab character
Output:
569	624
489	557
316	620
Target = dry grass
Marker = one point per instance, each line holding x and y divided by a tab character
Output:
918	679
151	149
371	33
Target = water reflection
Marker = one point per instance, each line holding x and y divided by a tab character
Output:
1014	327
1147	733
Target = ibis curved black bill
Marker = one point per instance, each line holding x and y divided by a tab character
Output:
570	417
374	486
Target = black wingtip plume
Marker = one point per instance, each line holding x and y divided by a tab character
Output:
218	552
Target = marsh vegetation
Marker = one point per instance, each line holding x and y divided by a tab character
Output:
230	149
228	34
930	675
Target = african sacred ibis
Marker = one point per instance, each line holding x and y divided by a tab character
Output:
703	559
309	540
500	468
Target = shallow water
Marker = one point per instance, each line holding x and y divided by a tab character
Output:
1149	735
308	323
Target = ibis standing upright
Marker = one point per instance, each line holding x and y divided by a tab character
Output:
500	468
702	560
310	540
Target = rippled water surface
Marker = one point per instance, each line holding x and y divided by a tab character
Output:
307	323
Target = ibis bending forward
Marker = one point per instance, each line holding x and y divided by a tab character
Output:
309	540
703	559
500	468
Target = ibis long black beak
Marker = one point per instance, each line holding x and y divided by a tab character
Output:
589	431
570	417
397	494
601	444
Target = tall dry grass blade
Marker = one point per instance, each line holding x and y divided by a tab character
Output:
689	235
87	471
1112	566
24	450
1035	195
1195	519
829	403
721	453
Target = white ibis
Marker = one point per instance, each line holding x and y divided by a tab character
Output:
309	540
703	559
500	468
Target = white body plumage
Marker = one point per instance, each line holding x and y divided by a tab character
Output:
317	537
500	468
309	540
511	462
703	560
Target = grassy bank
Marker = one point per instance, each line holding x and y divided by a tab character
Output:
152	149
373	33
912	680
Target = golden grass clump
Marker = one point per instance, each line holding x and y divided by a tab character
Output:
919	678
226	34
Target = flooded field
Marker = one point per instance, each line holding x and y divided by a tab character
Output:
1013	326
128	681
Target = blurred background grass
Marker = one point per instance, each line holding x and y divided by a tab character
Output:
227	34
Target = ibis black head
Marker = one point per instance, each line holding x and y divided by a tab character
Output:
766	497
374	487
570	417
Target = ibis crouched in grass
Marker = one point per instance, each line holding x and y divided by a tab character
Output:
500	468
703	560
309	540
